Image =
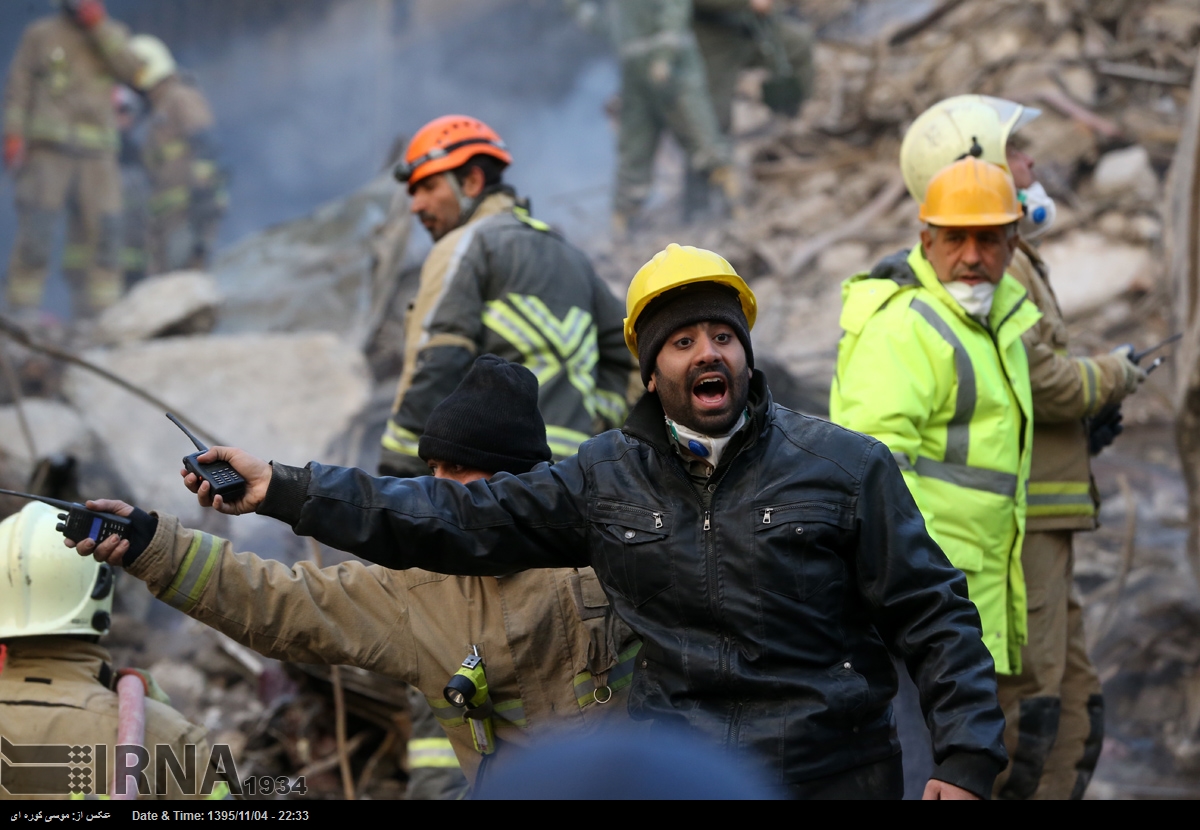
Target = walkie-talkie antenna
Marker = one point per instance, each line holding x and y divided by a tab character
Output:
59	503
187	432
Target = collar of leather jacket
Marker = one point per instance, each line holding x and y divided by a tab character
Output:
645	421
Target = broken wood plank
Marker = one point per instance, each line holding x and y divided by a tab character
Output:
1133	72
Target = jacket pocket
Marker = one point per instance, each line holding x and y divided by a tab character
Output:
631	548
798	546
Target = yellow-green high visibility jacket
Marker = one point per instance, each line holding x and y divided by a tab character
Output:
951	399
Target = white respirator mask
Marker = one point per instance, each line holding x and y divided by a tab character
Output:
708	448
976	299
1039	211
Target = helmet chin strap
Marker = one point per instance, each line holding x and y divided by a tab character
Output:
466	204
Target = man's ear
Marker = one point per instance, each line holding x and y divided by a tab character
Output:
652	386
473	182
926	241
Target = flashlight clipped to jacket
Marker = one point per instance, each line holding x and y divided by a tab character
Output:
468	691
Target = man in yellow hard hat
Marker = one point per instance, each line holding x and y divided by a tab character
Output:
931	363
767	560
1054	708
180	154
57	682
498	281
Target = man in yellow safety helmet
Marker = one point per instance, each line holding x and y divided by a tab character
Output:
1054	707
770	562
499	282
931	363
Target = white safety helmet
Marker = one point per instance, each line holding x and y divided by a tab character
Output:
45	587
157	63
977	125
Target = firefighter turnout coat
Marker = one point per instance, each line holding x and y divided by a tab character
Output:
506	284
1066	390
951	399
58	690
556	658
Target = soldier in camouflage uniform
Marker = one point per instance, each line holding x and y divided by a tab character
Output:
735	35
180	154
663	85
60	141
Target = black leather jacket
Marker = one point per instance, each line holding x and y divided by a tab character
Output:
767	600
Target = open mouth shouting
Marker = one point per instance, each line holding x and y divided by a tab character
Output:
710	392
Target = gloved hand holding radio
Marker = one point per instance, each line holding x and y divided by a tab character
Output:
1134	375
255	471
113	549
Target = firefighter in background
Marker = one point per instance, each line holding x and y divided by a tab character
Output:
56	680
60	143
188	195
135	184
498	281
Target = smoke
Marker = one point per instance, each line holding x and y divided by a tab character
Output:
310	95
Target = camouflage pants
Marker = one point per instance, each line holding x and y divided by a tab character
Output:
89	187
1054	708
727	51
665	91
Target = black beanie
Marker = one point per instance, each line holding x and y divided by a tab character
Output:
490	422
686	306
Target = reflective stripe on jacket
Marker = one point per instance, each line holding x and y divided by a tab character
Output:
1066	390
536	630
952	402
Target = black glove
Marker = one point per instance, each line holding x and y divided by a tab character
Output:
1104	428
142	527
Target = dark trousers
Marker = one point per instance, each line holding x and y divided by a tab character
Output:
878	781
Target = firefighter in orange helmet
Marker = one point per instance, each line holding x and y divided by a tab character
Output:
498	281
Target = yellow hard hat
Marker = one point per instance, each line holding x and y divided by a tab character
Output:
157	63
964	125
970	192
678	265
45	587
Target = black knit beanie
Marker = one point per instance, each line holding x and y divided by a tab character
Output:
686	306
490	422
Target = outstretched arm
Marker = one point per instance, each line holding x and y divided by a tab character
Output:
301	613
488	527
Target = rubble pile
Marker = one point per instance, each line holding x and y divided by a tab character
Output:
826	198
289	349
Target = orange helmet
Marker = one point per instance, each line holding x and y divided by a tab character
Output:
448	143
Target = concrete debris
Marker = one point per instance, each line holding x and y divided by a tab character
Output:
1126	172
184	302
56	428
1088	270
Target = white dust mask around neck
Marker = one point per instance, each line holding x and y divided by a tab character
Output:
976	299
708	448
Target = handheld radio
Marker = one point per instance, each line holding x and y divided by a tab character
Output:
225	481
79	523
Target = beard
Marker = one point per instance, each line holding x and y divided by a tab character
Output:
680	403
